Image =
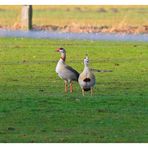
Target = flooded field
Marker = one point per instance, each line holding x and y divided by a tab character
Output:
79	36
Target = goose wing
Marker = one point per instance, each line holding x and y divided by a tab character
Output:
72	71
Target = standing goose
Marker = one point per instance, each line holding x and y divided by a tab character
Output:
67	73
86	78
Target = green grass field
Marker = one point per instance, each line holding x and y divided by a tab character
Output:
34	107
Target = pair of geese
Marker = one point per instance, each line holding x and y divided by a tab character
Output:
86	79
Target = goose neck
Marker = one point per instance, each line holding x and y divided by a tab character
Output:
63	56
86	67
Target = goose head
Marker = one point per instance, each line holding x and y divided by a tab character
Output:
86	61
63	53
61	50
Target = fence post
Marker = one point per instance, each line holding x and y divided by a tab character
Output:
26	18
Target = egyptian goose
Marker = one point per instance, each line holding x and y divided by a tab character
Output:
87	78
67	73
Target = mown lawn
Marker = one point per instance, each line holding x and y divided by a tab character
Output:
34	107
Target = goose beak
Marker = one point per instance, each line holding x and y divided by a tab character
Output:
57	50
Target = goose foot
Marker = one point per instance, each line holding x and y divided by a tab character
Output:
83	92
71	88
66	86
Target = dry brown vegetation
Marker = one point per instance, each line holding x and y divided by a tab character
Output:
90	19
94	29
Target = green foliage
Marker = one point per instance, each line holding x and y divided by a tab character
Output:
34	107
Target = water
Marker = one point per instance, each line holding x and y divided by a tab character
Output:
79	36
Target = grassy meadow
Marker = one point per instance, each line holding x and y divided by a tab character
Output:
110	16
34	107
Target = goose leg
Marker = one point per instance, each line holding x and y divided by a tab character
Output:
83	92
71	89
91	91
66	86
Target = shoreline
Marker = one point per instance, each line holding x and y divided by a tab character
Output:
75	28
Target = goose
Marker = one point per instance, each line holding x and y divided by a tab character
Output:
65	72
86	78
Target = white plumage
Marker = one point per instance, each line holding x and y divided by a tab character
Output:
67	73
87	78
